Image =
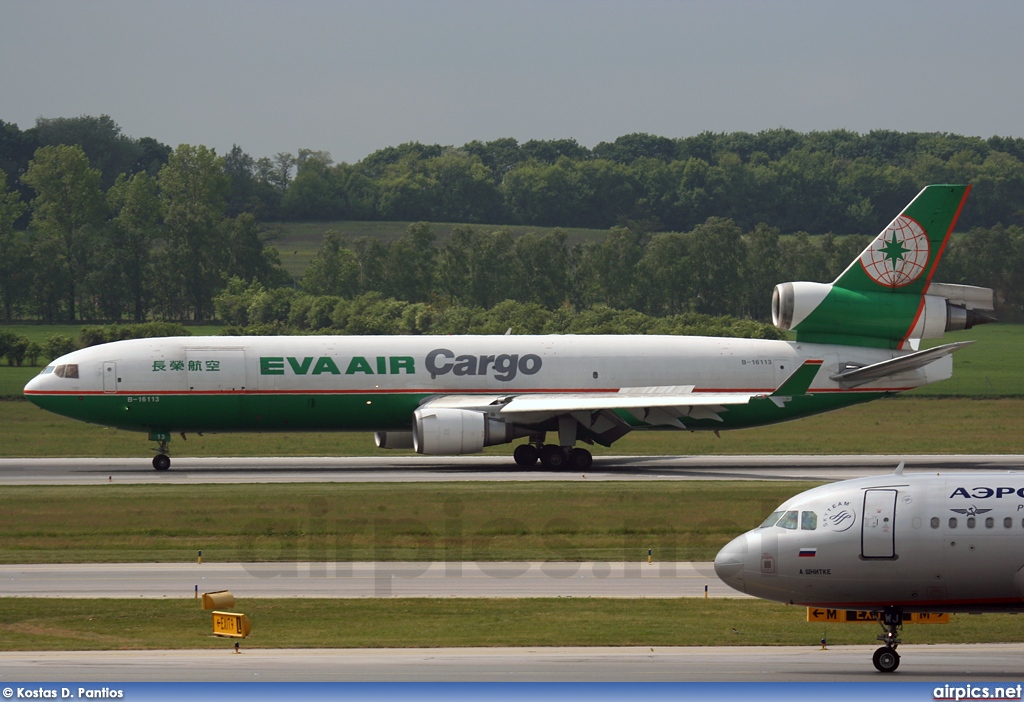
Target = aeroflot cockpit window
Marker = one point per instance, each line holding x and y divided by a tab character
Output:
770	521
788	521
808	521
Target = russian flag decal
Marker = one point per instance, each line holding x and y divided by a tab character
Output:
808	552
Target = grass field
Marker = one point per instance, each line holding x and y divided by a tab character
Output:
98	624
572	521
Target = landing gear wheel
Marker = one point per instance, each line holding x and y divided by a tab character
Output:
552	457
526	455
161	461
580	459
886	659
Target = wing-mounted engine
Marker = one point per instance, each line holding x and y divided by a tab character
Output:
452	431
828	313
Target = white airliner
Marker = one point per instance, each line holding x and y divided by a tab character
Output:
892	545
856	340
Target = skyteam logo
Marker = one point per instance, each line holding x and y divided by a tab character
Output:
839	516
899	255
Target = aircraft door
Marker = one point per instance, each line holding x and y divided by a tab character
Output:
878	527
109	377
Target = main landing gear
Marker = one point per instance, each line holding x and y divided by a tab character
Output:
886	660
553	457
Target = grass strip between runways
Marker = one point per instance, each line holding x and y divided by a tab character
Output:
475	521
111	624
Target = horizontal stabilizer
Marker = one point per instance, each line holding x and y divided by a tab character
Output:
900	364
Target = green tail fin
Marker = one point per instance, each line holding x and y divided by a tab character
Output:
905	254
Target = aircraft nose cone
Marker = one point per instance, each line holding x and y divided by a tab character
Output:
730	561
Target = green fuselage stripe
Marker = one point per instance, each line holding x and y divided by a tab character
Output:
373	411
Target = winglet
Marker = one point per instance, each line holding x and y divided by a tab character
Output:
800	381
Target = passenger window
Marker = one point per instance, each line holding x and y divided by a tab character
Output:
788	521
952	522
989	522
770	521
970	522
1008	522
808	521
935	522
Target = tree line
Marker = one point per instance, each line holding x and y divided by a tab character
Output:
95	225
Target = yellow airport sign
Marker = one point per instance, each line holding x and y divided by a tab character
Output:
231	624
222	599
850	616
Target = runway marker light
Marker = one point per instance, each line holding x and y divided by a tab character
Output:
199	558
649	557
705	592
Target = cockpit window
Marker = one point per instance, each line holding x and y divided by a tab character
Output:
66	371
808	521
770	521
788	520
47	370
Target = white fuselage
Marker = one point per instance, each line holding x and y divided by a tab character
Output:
921	542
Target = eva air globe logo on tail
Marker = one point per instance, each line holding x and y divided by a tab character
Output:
899	255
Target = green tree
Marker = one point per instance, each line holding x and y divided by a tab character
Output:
409	267
333	271
762	271
542	270
133	229
663	275
67	210
14	253
717	258
109	151
248	255
193	186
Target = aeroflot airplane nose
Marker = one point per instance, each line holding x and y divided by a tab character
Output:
730	561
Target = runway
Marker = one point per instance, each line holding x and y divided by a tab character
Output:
369	579
405	468
941	663
952	663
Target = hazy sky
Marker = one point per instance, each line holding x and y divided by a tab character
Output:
350	77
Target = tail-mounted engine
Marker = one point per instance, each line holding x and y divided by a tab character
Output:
827	313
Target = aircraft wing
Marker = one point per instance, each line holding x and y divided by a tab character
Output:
599	413
626	398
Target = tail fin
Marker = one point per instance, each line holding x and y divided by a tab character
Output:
904	255
885	297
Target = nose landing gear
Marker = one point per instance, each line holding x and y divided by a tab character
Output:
161	461
885	659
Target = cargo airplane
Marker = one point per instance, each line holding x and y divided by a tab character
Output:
856	340
890	545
